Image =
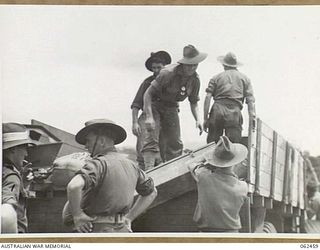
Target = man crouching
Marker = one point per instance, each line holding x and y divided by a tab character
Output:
220	193
101	195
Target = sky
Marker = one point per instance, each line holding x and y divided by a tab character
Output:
64	65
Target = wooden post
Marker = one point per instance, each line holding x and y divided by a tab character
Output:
273	164
258	157
286	175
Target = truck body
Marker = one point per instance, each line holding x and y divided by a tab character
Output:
275	172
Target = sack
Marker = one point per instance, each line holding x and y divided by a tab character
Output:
65	167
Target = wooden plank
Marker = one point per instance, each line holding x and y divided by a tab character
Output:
268	203
258	156
301	181
173	178
266	131
296	211
273	164
258	201
278	190
286	175
252	140
294	177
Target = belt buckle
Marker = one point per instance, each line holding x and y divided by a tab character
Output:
118	219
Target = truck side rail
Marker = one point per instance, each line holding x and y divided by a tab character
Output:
275	169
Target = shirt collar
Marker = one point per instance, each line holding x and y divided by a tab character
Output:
108	150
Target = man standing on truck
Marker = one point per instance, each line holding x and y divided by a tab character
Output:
228	90
15	141
174	84
220	193
154	63
101	195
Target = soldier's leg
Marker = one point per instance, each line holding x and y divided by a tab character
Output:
170	125
234	121
216	124
150	150
234	134
162	146
139	143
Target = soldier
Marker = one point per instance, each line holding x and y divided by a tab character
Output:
101	195
228	90
220	193
313	206
174	84
154	64
16	140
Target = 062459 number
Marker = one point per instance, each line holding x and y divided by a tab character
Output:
308	245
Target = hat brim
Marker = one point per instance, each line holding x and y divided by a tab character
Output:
221	60
240	154
11	144
119	134
194	60
163	55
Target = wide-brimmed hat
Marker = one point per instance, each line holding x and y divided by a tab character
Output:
192	56
226	153
15	134
229	60
161	55
118	133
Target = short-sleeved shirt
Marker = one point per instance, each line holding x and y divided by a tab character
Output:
220	197
173	87
231	84
314	204
110	183
13	193
138	99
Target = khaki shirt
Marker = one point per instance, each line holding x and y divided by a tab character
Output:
231	84
14	193
110	183
173	87
220	197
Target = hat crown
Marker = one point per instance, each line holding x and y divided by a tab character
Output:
230	58
161	56
190	51
15	134
98	121
224	149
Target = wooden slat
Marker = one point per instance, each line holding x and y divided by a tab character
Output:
258	156
274	165
258	201
286	175
268	203
295	181
280	168
301	181
251	150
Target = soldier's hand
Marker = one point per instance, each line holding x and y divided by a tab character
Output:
205	126
252	118
83	223
136	130
199	125
150	124
27	177
127	222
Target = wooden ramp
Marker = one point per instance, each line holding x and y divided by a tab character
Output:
172	210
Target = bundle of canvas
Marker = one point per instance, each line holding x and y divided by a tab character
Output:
65	167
